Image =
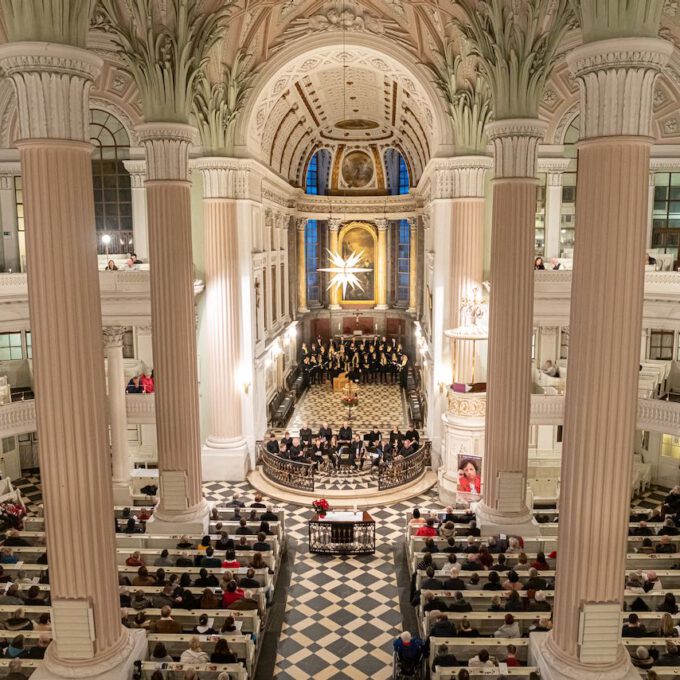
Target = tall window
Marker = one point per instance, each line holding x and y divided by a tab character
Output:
318	173
661	345
10	347
312	261
112	191
564	343
398	182
403	270
568	215
21	224
666	216
539	245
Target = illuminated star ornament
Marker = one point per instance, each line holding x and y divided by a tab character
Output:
344	272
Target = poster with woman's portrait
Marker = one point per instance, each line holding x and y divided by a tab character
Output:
469	474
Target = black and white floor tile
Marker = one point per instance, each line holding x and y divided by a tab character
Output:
379	405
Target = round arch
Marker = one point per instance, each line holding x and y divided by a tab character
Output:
302	56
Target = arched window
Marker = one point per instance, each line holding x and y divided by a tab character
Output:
398	182
112	192
318	173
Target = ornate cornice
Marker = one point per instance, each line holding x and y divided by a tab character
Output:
223	177
52	84
167	150
515	143
459	177
616	79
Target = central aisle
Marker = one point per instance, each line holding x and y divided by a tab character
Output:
341	614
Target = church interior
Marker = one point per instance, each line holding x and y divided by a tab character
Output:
290	291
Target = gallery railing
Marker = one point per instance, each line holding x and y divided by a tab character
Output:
406	470
294	475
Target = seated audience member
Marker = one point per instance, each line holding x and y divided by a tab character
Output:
14	540
231	594
230	561
540	603
143	578
140	601
7	556
481	660
166	625
511	660
510	629
269	515
15	672
430	546
18	621
163	560
467	630
16	649
549	369
428	529
668	605
641	530
471	562
12	596
671	657
641	658
160	654
416	520
209	600
633	627
408	648
512	582
194	655
447	530
665	545
444	659
258	562
667	628
646	548
651	582
249	580
185	544
494	582
38	651
443	627
501	564
203	627
246	603
147	382
514	603
206	580
540	563
433	604
430	582
540	626
210	561
555	264
496	605
261	544
184	560
134	386
425	562
222	653
454	582
460	604
535	582
33	597
44	623
538	263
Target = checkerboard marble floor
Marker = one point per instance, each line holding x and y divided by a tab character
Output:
379	405
342	613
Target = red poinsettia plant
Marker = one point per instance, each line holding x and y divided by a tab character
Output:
350	401
321	506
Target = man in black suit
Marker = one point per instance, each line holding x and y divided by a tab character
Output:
671	657
454	581
444	659
665	546
356	452
633	628
306	435
443	628
269	515
460	604
668	529
325	432
272	444
430	582
535	582
642	530
345	434
407	448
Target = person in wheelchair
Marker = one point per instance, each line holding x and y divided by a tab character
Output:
410	650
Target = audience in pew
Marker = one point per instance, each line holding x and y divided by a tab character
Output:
194	654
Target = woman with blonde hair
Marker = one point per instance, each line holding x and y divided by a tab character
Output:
194	655
667	628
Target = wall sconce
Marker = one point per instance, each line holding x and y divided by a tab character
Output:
246	387
442	387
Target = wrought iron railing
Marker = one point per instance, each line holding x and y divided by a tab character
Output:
403	471
294	475
335	538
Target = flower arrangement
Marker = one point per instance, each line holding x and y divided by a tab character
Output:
350	401
321	506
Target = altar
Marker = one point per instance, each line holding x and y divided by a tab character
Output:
342	533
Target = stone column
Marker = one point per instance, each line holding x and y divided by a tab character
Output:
333	230
553	214
515	144
413	267
115	373
8	217
286	269
302	266
140	231
616	79
52	83
225	452
381	268
466	269
181	507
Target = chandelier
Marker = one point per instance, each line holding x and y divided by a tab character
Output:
344	271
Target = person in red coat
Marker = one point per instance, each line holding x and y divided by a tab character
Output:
428	529
469	479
